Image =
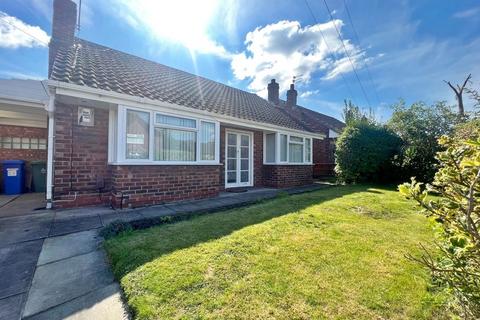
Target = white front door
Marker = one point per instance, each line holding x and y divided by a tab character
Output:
238	159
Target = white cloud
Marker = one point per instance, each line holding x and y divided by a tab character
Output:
285	49
467	13
184	22
309	93
15	33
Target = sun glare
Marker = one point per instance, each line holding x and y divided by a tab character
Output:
182	21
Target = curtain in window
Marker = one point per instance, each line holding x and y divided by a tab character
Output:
174	145
175	121
283	147
138	126
270	147
296	152
207	141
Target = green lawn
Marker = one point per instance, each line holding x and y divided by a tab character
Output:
335	253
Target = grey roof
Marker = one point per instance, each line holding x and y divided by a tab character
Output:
315	121
23	90
89	64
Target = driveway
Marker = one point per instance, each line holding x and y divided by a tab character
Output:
53	267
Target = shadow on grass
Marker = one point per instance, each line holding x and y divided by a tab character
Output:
132	249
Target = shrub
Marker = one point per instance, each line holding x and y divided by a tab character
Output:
420	126
365	153
457	211
468	130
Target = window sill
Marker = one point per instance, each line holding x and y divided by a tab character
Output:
288	164
164	163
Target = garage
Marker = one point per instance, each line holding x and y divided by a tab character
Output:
23	136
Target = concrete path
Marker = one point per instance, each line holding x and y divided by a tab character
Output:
52	265
19	205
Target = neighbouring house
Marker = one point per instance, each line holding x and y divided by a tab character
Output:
23	124
323	149
130	132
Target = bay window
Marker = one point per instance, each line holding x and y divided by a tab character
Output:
156	137
287	149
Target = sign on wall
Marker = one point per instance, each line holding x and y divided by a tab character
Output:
86	116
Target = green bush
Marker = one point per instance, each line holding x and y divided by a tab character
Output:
457	211
420	126
366	152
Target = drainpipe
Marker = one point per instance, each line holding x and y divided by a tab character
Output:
51	126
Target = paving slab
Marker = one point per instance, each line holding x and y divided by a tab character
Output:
183	207
80	213
108	218
25	228
5	198
11	307
62	247
67	225
156	211
23	204
61	281
104	303
17	266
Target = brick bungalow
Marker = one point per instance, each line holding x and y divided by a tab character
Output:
131	132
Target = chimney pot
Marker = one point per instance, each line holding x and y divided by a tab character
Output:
292	96
63	28
273	92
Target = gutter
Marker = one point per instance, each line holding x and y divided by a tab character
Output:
79	91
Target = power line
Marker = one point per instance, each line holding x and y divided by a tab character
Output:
4	17
328	48
346	53
358	41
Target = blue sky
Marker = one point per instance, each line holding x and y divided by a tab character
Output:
399	49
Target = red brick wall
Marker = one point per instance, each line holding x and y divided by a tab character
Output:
323	157
284	176
22	154
257	156
154	184
81	155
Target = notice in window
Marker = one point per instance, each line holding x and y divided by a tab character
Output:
133	138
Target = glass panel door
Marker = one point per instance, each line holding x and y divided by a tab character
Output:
244	159
231	156
238	159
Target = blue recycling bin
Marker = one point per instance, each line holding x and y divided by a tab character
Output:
13	176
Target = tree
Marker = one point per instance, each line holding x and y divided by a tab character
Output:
456	208
365	152
352	114
420	126
458	90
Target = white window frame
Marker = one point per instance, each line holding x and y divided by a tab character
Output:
278	149
120	143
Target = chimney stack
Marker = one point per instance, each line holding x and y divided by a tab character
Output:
292	96
273	92
63	28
